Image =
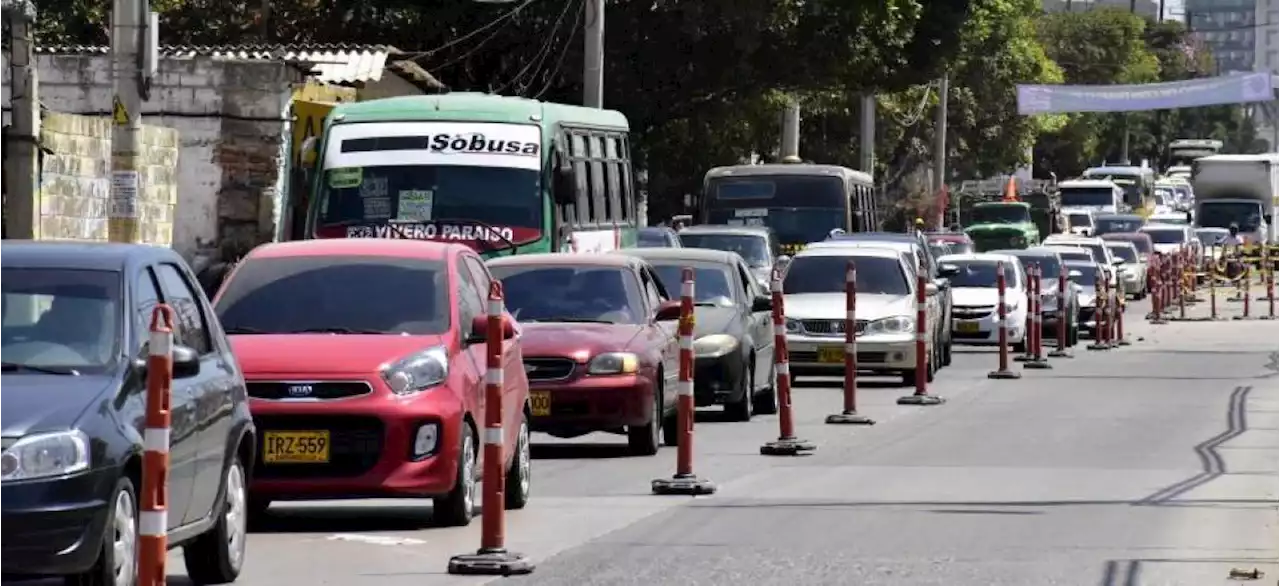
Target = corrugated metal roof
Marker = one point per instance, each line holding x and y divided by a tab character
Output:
331	63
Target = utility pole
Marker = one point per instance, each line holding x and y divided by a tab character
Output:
126	115
790	131
22	217
940	138
593	54
867	135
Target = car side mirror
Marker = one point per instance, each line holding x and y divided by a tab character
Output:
668	311
948	270
186	362
761	303
930	289
480	329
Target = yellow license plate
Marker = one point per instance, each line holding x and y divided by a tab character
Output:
540	403
968	327
831	354
295	447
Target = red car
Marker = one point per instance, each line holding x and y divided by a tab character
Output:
364	361
600	346
959	242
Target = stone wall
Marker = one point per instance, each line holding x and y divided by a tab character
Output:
74	191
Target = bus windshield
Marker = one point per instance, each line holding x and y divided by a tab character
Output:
1001	214
799	208
1086	196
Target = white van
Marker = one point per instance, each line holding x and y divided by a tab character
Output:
1099	196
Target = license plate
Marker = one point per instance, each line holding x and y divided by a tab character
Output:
295	447
831	354
968	327
540	403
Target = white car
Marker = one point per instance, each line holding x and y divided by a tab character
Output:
1169	217
1097	246
814	301
1080	222
1167	238
975	319
1210	241
1133	273
1084	275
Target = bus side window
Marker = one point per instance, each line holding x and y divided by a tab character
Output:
613	173
578	154
599	201
628	182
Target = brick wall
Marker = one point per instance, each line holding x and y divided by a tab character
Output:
75	180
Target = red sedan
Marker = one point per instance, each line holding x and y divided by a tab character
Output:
364	361
600	346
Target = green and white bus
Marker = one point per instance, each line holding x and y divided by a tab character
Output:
504	175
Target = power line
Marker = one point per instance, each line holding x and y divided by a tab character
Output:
495	22
539	57
564	51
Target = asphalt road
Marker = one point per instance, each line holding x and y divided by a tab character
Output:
1150	464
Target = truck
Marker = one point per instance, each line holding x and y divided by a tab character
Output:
1002	224
1240	190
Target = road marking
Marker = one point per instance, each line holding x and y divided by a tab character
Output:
375	539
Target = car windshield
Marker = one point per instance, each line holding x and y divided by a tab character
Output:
1099	252
1088	274
1124	252
1072	253
336	294
1174	219
1087	196
61	319
1049	265
980	273
571	293
877	275
1000	214
754	249
1142	244
1211	237
652	238
1079	220
1167	236
1221	214
1115	225
711	283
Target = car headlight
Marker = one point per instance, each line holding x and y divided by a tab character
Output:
417	372
714	345
614	363
793	326
1018	240
898	324
44	455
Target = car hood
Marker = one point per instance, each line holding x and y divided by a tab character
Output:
35	403
831	306
574	339
979	296
713	320
321	354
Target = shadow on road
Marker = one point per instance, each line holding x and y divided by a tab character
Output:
339	519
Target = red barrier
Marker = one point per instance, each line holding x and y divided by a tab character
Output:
1159	295
153	507
1182	284
1099	313
685	481
493	559
849	415
1037	361
921	396
1270	272
787	444
1002	331
1110	313
1120	339
1063	319
1247	279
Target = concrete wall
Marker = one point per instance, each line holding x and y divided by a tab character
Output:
75	182
233	124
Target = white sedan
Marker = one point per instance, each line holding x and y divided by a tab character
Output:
975	318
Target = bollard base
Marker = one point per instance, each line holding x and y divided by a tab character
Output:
490	562
1022	358
1037	364
1064	353
786	447
921	400
1266	317
688	485
850	418
1097	346
1004	375
1124	342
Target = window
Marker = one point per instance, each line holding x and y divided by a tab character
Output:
712	283
480	277
650	291
577	154
613	174
146	295
599	200
189	322
748	290
470	300
572	293
602	174
628	198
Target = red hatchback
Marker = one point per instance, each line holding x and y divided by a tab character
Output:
601	351
364	361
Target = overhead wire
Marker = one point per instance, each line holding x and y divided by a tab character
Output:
495	22
539	57
564	51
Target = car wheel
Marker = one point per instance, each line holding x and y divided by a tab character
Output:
766	403
117	557
519	479
457	508
217	556
946	351
740	410
930	370
644	440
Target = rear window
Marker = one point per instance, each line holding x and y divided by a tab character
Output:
652	239
565	293
825	274
1124	252
336	294
712	284
1167	236
753	249
981	274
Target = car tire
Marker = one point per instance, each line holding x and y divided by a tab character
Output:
120	528
457	508
909	377
946	351
520	476
741	409
766	402
644	440
930	370
217	556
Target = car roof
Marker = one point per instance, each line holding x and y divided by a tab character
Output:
760	231
656	229
1155	227
69	254
1128	236
566	258
1121	243
1085	183
690	254
1214	230
876	236
1036	251
897	246
387	247
1077	240
977	257
1118	217
873	251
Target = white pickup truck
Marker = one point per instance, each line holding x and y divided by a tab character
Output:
1240	190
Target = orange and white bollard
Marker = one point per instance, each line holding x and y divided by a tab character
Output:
1099	313
1002	334
849	415
921	396
1063	319
685	481
493	558
153	508
1036	346
787	443
1029	341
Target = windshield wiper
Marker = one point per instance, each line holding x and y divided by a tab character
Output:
245	330
335	330
59	370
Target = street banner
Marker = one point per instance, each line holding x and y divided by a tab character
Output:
1227	89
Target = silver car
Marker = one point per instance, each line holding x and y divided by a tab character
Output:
1133	273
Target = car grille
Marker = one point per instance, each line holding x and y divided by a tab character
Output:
548	369
829	327
307	391
355	444
812	357
972	311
